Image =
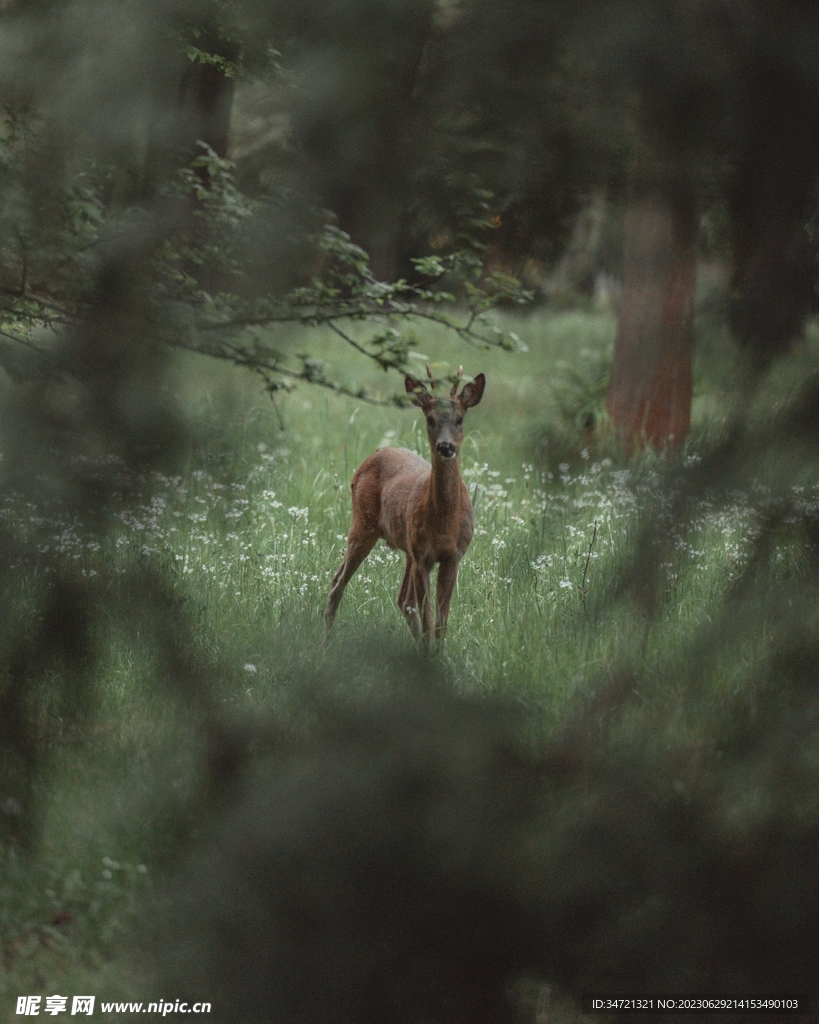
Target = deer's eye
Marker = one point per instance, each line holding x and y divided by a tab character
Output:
458	420
430	421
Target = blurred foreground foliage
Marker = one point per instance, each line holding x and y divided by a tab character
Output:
387	847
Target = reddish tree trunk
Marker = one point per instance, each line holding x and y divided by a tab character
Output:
649	393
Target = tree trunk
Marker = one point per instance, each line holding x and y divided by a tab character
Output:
649	393
771	198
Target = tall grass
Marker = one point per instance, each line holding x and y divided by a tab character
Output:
248	532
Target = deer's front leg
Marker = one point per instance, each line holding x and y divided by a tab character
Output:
420	579
447	575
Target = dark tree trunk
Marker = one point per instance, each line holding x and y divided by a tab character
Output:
206	98
649	393
356	157
192	105
771	196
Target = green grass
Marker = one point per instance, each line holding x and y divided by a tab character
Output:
248	532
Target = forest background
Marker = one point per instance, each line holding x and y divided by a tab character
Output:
227	230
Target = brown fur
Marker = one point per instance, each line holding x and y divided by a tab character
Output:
422	509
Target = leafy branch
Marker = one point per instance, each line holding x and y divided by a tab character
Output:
46	285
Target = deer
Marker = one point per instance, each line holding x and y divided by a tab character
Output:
419	508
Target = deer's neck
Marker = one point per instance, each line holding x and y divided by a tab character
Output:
445	484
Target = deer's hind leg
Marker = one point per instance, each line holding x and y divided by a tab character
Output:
406	599
359	545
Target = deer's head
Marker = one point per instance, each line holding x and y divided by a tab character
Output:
445	415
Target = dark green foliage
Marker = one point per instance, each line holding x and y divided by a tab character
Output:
413	858
363	852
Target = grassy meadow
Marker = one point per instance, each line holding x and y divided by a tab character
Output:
248	528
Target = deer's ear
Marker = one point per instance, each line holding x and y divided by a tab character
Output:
420	395
473	393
